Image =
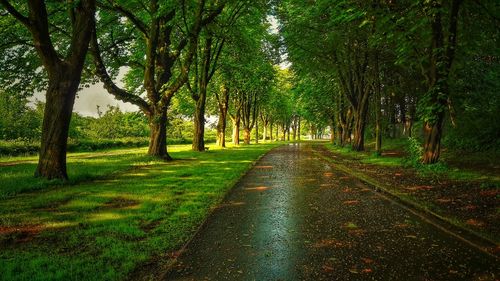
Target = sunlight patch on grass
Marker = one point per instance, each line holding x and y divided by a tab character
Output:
116	212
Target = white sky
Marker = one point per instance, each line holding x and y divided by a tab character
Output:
88	99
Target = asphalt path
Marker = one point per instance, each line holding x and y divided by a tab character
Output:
294	216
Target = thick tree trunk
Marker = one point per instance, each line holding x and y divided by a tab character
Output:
201	98
60	98
64	78
199	123
221	128
223	102
440	65
236	130
359	131
246	135
158	135
432	138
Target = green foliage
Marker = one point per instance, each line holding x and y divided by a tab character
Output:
476	104
114	124
19	122
413	158
413	151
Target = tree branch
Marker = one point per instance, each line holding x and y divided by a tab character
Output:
109	85
15	13
139	24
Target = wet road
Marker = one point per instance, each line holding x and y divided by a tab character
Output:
295	217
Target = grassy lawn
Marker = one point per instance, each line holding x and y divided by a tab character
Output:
120	209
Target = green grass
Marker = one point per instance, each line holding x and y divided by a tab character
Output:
451	170
135	208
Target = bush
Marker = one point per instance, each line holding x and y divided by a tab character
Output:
414	151
24	147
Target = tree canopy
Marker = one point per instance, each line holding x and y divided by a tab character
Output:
351	69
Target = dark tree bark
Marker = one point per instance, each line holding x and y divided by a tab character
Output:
223	104
256	128
248	114
158	136
271	131
201	97
162	56
64	76
377	91
236	130
353	81
208	67
441	60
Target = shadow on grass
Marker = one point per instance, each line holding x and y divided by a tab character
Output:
135	207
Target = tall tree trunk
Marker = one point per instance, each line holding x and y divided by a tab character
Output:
60	98
378	133
377	90
201	98
256	129
271	131
64	74
332	130
265	123
340	132
298	129
158	135
359	127
223	103
432	140
246	135
199	123
440	65
236	128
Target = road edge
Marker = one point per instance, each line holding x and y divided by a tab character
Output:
463	234
162	269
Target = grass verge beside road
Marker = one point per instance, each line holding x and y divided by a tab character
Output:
117	212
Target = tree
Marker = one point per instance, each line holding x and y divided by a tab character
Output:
63	67
157	43
206	63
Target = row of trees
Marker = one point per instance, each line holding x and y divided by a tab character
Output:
396	62
157	48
